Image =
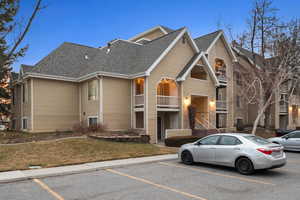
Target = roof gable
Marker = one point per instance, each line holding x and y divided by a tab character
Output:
187	69
165	30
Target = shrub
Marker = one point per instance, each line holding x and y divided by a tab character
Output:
177	141
83	128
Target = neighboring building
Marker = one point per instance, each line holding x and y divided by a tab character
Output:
146	82
285	110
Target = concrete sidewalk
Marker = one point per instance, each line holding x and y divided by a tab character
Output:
20	175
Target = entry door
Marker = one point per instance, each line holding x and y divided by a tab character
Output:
159	132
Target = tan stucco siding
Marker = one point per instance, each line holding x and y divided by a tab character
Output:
88	107
116	103
169	67
219	51
152	35
197	87
55	105
16	108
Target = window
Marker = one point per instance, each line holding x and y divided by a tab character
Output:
294	135
92	121
229	140
238	78
13	96
92	90
139	86
211	140
13	125
198	72
24	92
24	123
257	140
238	101
221	120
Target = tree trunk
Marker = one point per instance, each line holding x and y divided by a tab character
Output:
260	113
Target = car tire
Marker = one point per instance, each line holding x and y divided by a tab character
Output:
187	158
244	166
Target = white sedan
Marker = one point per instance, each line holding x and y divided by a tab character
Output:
290	141
245	152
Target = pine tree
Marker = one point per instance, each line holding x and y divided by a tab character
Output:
9	49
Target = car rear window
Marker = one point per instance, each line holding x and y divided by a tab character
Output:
257	140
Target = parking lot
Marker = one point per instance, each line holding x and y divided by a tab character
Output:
163	180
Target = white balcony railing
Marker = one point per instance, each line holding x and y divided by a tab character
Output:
283	108
221	75
139	100
167	101
221	104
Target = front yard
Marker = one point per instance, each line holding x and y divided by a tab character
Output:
71	151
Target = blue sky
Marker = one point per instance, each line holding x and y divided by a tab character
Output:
95	22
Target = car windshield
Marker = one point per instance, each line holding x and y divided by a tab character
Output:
257	140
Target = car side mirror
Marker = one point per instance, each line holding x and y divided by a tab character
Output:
198	143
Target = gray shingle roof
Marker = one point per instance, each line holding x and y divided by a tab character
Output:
203	42
73	60
26	68
258	59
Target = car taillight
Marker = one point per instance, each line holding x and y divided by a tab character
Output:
265	151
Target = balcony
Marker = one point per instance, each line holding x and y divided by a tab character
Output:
139	100
221	75
221	105
283	108
167	101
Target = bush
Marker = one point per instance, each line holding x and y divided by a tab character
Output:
83	128
177	141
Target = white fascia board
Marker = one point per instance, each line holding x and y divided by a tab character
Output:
221	34
52	77
192	42
165	52
183	77
211	71
148	31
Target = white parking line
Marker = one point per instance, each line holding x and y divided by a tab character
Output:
48	189
156	184
218	174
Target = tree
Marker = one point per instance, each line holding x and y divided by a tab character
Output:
266	76
10	51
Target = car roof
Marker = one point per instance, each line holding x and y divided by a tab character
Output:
234	134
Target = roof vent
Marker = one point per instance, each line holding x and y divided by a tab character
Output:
86	57
108	48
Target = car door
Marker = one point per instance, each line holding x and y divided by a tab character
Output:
205	149
288	141
227	150
293	141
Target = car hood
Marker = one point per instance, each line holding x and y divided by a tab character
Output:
274	138
187	145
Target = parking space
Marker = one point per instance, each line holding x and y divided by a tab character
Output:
163	180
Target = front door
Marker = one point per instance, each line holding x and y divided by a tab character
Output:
159	132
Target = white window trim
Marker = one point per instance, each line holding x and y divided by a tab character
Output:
22	123
97	96
89	117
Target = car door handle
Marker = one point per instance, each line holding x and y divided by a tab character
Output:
237	149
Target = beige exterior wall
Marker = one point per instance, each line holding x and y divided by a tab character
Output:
89	108
169	67
117	103
152	35
196	87
55	105
219	51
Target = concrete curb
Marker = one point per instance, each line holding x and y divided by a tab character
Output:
20	175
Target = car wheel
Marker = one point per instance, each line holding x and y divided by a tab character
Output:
187	158
244	166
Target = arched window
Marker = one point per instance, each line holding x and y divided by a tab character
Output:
220	68
167	87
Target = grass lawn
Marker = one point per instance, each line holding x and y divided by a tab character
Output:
72	151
